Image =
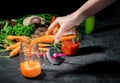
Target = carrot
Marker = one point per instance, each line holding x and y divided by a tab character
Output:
18	38
51	38
53	31
48	32
44	45
14	52
45	39
11	47
6	45
53	19
56	28
44	49
68	37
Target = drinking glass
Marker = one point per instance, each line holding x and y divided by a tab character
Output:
30	62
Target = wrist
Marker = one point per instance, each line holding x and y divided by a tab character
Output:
77	18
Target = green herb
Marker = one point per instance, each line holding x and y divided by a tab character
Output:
6	57
57	46
2	22
17	30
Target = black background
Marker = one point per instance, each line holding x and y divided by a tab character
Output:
19	8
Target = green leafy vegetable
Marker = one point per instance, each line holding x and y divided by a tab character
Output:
18	29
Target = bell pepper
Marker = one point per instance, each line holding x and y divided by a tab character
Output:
69	47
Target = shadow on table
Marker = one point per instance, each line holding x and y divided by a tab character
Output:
90	49
106	28
103	67
97	68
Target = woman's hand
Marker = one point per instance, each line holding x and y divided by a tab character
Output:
90	8
66	23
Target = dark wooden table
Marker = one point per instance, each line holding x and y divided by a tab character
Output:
98	61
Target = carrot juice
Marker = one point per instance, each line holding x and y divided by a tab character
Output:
30	65
31	69
70	48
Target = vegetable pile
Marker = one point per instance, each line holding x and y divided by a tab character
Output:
15	27
34	28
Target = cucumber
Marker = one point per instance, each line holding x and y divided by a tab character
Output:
89	24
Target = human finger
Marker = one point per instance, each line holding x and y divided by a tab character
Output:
59	34
52	25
